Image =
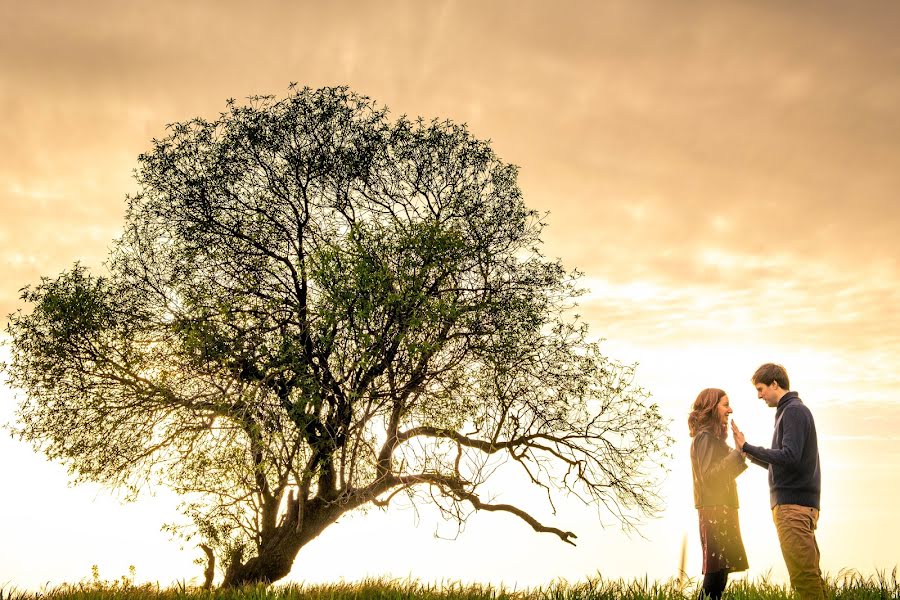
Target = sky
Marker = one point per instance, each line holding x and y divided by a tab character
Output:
723	173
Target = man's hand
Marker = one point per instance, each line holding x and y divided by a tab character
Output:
738	436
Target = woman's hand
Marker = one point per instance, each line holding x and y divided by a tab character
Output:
738	436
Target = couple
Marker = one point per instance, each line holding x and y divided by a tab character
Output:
794	483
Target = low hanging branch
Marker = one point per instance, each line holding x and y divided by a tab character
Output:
456	489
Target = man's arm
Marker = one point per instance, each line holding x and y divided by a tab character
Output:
740	442
795	424
756	461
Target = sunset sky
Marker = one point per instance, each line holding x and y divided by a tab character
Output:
725	174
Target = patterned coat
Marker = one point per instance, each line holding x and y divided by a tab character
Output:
715	468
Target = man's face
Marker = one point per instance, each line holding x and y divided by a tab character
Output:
771	393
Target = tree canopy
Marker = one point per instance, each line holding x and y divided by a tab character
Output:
314	308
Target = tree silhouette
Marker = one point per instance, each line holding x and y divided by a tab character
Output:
313	309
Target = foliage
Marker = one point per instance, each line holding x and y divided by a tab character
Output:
313	309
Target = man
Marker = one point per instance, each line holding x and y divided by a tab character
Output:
794	478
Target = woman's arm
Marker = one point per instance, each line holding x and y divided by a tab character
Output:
713	469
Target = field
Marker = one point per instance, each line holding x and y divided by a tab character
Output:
846	586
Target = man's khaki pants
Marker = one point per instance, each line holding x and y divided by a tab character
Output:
796	527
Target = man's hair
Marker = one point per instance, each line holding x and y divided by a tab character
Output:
703	415
770	372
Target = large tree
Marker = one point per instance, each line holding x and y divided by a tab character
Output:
314	308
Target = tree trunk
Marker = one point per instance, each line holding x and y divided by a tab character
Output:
266	568
277	554
210	570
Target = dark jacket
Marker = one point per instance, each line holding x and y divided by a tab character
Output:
715	467
793	459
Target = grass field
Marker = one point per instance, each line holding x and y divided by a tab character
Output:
846	586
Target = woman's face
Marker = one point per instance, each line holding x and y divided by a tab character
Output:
723	409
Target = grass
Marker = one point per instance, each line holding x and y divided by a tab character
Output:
847	585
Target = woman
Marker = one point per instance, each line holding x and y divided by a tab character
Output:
715	467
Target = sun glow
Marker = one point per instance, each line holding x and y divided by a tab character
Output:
723	217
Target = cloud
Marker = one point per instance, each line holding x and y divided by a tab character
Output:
784	303
737	159
724	172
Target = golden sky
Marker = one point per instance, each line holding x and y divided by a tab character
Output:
724	173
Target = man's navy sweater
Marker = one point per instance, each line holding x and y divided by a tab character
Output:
793	460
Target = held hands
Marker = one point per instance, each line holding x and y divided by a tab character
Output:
738	436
